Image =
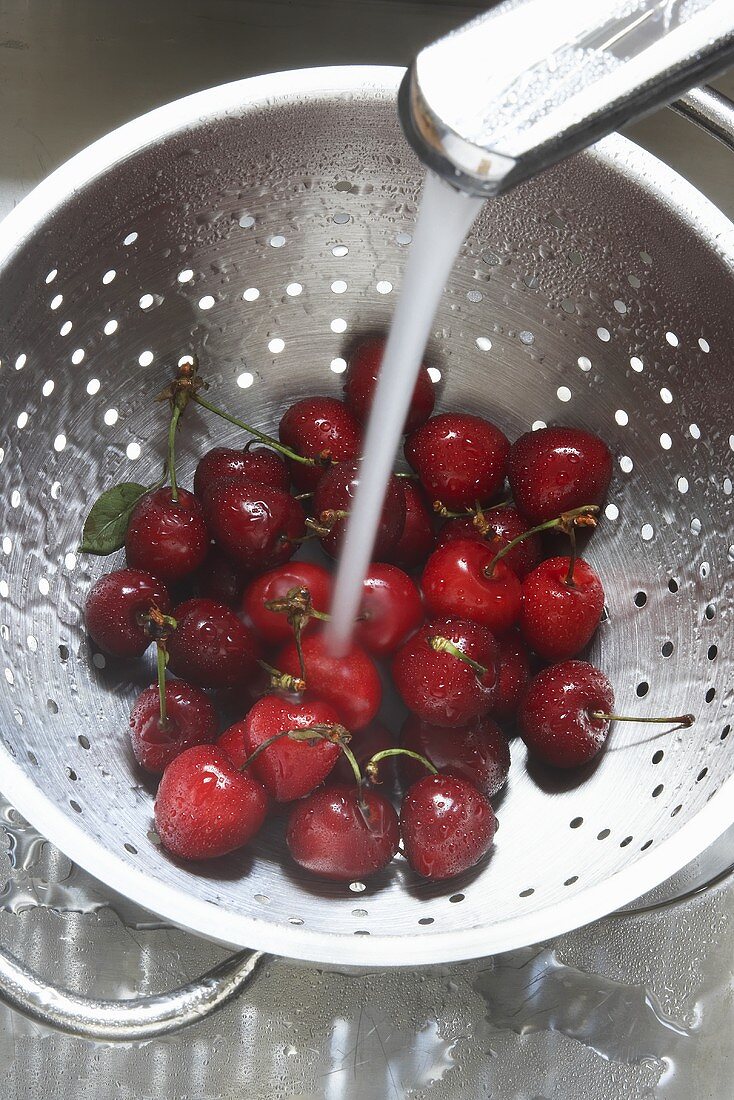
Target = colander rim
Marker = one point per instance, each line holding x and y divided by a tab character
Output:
299	942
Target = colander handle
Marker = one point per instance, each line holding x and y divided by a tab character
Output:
710	110
129	1020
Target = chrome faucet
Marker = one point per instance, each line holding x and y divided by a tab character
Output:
532	81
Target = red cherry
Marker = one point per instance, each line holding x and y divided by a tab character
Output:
335	493
440	687
165	537
210	646
320	428
558	619
250	464
114	608
513	676
417	539
273	626
556	469
218	579
460	459
364	744
350	683
391	609
360	382
205	807
191	720
455	584
447	826
503	524
254	524
287	769
556	715
479	753
338	835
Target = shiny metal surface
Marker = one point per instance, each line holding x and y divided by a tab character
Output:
572	301
710	110
528	83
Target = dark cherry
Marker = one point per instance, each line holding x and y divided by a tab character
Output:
321	428
205	807
364	744
556	715
391	609
461	460
165	537
447	826
249	464
218	579
498	526
350	682
338	834
115	606
335	493
273	626
191	720
360	382
418	536
287	769
556	469
210	646
439	686
513	676
479	753
558	619
254	524
455	584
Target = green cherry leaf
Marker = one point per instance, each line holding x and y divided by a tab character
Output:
106	525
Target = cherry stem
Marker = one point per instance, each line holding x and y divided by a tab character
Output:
445	645
162	662
406	474
585	516
684	720
172	428
336	734
267	439
353	763
283	680
371	766
298	624
572	560
157	626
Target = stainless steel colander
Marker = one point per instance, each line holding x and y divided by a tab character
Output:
264	226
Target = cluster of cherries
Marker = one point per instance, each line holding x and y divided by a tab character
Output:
463	615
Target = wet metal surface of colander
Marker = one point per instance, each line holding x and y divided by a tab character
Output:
264	225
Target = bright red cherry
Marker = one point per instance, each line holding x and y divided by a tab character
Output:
249	464
273	626
418	537
460	459
210	646
498	527
460	581
391	609
191	720
205	807
447	826
364	744
339	834
360	382
218	579
433	677
556	716
321	428
350	682
556	469
115	607
479	753
335	494
513	676
287	769
255	525
165	537
558	619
